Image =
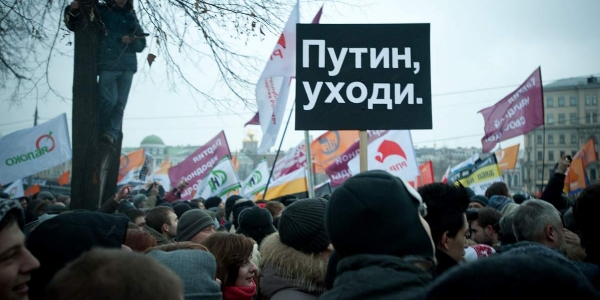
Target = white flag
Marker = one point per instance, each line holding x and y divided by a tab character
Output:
257	181
32	150
273	86
392	152
15	190
220	181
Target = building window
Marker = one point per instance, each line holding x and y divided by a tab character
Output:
550	119
588	100
540	173
550	173
593	174
561	119
573	101
540	155
573	118
549	102
562	153
594	100
573	152
588	117
573	138
539	139
551	155
550	139
594	117
561	101
561	139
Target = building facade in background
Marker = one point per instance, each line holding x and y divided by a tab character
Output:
571	117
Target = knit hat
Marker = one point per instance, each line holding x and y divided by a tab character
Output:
181	208
138	199
45	196
256	223
10	205
240	205
125	206
196	268
377	213
212	202
481	199
301	226
192	222
229	203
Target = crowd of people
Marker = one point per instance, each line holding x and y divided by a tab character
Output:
374	237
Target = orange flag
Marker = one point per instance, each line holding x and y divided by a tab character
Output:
34	189
64	178
235	162
131	163
329	146
587	153
575	180
507	158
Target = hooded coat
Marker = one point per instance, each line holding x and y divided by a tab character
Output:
287	273
63	238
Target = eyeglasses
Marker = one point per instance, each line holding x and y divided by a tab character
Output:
423	209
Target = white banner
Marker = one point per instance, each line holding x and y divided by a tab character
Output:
15	190
292	161
273	86
32	150
256	182
392	152
221	180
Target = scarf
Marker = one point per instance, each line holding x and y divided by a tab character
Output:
239	292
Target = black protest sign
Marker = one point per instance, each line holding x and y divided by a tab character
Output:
359	77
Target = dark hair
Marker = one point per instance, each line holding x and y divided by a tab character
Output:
133	214
497	189
446	207
488	216
128	4
274	207
156	217
231	251
39	209
11	217
229	204
585	214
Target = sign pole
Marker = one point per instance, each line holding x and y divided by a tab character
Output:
310	182
363	143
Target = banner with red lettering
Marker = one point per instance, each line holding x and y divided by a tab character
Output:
196	166
338	171
292	161
518	113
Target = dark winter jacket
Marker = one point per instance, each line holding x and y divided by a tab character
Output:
553	192
367	276
109	206
287	273
63	238
115	22
160	239
444	262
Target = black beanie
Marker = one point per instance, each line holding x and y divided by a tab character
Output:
240	205
301	226
229	203
181	208
377	213
256	223
212	202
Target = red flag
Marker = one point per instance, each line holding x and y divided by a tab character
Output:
426	171
445	178
254	121
32	190
64	178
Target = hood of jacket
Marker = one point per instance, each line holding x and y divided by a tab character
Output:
63	238
284	268
368	276
499	202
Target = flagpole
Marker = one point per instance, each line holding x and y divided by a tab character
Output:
277	154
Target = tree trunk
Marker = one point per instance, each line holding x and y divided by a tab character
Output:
92	160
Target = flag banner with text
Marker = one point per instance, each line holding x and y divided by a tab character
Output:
130	166
507	158
221	180
257	181
196	166
338	171
15	189
329	146
32	150
292	161
478	176
377	77
393	152
518	113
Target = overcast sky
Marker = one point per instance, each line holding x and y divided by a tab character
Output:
475	45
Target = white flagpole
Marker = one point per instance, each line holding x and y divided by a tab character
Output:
310	182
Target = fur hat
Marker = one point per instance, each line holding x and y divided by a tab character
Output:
375	212
192	222
301	226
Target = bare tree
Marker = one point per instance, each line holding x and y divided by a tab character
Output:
180	30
